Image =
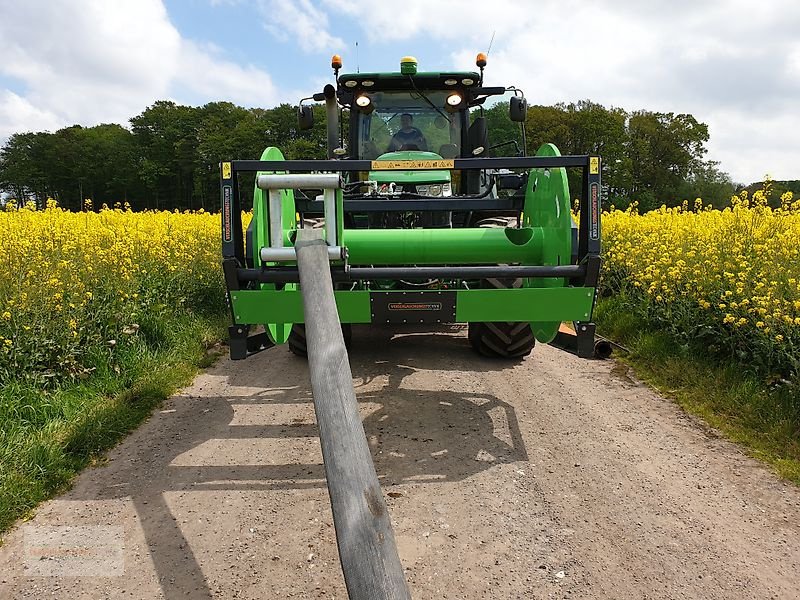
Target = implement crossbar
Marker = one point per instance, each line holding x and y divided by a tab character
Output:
291	274
522	162
367	549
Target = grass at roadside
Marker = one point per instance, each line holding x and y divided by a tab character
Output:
763	417
102	315
48	436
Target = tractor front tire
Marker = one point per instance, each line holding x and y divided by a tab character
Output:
297	338
501	339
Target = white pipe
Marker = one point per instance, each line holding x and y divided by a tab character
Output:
329	204
288	254
325	181
275	219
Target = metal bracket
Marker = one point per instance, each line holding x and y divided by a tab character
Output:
581	342
329	183
243	345
585	339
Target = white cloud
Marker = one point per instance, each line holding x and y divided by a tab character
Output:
202	70
732	64
299	21
15	110
93	61
766	145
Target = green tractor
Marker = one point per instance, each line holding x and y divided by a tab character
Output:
424	224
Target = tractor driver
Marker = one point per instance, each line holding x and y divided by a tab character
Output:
409	137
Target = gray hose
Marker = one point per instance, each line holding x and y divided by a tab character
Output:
367	549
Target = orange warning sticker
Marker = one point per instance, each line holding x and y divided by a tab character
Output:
594	165
411	165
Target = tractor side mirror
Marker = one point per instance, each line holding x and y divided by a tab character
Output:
478	136
518	109
305	117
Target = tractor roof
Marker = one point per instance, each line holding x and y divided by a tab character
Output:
401	81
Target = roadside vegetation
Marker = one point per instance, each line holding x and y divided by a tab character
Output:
102	315
708	302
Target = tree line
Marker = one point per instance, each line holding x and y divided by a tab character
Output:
168	158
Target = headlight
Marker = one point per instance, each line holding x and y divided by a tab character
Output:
454	99
363	101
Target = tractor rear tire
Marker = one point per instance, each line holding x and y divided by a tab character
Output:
502	340
297	338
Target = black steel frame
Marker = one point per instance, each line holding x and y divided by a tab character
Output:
590	201
585	273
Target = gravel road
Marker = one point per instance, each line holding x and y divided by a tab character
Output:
551	478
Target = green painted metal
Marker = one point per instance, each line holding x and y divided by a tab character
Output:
443	246
263	306
535	305
543	239
260	208
547	205
527	304
410	177
278	331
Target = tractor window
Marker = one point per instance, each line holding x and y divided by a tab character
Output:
405	121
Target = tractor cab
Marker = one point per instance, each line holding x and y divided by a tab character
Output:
411	116
394	112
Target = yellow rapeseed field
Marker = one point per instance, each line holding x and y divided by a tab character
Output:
77	284
729	277
74	283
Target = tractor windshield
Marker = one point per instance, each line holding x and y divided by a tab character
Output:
405	121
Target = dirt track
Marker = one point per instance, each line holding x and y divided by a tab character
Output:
552	478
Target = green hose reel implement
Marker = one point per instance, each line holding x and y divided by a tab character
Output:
414	236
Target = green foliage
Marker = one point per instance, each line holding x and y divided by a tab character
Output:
652	158
48	435
169	158
773	190
664	151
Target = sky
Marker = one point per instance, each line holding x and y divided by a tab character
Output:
733	64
